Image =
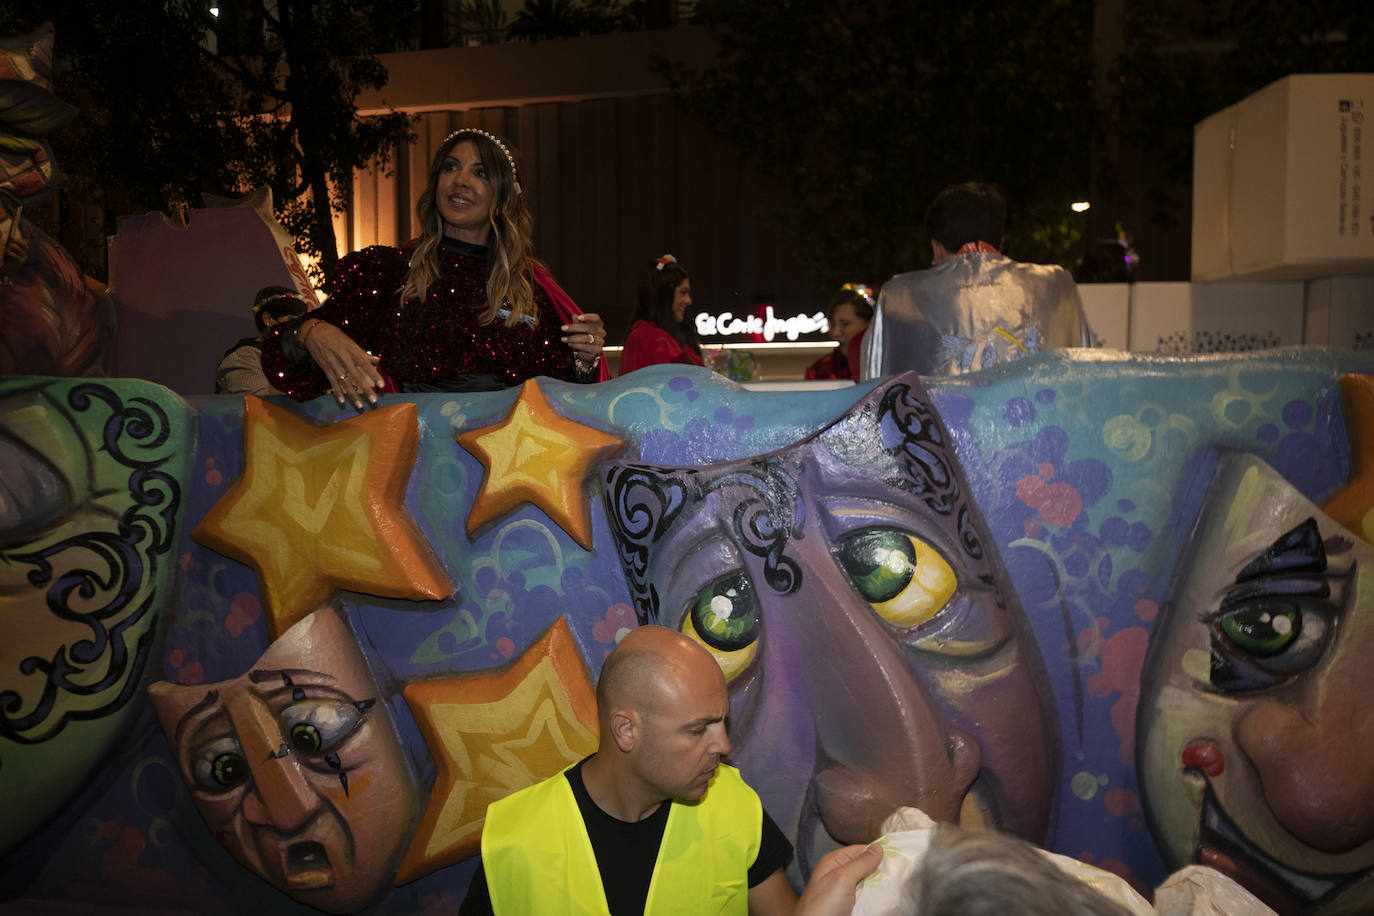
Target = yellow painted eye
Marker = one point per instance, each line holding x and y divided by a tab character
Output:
724	617
905	579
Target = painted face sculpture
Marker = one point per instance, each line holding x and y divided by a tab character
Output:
295	767
88	492
1256	727
846	588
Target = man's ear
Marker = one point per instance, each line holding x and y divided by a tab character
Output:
938	253
625	729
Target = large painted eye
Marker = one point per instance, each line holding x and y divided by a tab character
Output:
1263	629
905	579
724	617
1267	640
219	765
318	725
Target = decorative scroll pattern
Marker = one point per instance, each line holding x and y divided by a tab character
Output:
765	522
642	502
111	590
904	443
920	449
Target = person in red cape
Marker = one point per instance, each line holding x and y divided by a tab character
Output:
661	332
464	307
851	309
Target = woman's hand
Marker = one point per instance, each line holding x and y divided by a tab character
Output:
351	370
586	335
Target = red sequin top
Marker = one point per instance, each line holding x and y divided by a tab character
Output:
425	342
650	345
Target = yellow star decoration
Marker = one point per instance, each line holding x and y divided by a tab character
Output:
322	508
536	456
1353	504
493	733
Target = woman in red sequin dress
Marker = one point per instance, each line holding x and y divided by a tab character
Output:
465	307
659	333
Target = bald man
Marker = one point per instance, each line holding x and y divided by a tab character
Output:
651	823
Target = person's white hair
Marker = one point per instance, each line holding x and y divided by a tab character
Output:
985	873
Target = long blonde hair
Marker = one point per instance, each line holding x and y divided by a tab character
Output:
510	250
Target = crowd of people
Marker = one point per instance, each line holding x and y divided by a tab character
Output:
466	306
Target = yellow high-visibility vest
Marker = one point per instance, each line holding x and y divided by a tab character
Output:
538	859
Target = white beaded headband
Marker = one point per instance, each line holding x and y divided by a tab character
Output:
494	139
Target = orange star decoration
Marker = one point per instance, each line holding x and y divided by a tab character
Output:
322	508
494	733
537	456
1353	504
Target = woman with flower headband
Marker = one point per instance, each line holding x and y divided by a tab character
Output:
851	310
465	307
661	332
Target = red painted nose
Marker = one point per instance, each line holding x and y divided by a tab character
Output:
1205	756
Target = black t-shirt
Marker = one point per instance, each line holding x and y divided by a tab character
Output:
627	852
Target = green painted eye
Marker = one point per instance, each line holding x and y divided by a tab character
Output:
724	617
880	562
228	769
725	613
218	765
1262	630
905	579
306	737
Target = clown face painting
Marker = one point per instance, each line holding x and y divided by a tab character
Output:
295	767
848	590
1256	750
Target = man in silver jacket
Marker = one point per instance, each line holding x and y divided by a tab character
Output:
974	307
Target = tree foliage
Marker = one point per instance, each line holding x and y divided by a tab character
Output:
540	19
165	119
864	110
1183	61
867	109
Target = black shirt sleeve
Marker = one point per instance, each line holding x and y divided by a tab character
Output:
774	852
478	900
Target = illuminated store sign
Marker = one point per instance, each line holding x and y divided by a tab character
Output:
727	324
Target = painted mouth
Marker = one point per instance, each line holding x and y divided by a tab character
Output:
1223	846
307	867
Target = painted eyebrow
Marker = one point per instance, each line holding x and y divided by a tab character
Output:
211	698
258	675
